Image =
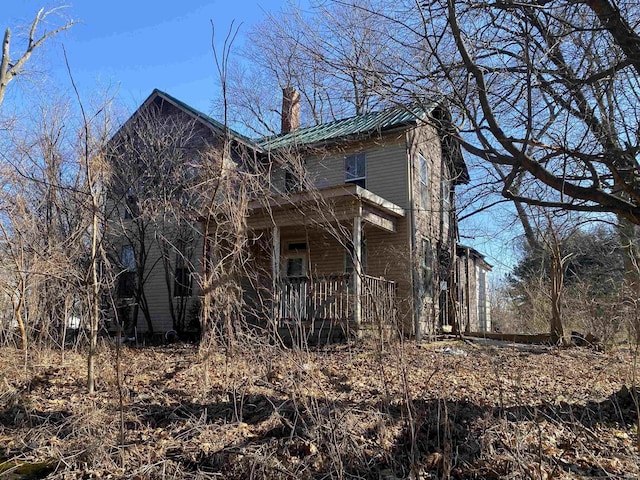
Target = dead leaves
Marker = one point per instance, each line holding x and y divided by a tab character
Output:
303	414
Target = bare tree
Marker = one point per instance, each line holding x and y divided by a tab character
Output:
43	225
154	161
335	55
11	68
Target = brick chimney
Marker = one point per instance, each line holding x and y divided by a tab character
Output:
290	109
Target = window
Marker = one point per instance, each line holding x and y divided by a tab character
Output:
295	263
127	278
427	268
424	182
354	169
295	266
128	258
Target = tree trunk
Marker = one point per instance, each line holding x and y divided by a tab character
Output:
630	241
20	320
557	282
94	302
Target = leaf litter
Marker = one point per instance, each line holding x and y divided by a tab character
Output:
405	411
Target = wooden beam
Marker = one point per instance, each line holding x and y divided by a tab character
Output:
357	268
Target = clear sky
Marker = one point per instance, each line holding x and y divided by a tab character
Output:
139	45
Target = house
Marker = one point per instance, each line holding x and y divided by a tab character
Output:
354	231
472	303
153	200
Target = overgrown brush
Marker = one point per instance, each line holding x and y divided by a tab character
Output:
344	411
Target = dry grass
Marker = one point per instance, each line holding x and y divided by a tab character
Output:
345	412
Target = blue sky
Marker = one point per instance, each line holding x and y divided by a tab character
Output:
140	45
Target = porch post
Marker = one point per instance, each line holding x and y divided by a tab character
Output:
357	269
275	272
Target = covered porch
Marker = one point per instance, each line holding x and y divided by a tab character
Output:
325	252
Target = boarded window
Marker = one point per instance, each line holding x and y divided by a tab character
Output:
355	169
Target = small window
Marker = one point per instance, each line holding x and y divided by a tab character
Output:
354	169
297	247
424	182
131	207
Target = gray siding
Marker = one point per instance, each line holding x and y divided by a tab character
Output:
386	168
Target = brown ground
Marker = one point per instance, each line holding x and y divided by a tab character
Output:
347	412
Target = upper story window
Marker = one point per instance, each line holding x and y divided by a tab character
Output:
424	182
128	258
354	169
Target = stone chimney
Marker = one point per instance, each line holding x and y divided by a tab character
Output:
290	109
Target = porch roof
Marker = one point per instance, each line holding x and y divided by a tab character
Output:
324	205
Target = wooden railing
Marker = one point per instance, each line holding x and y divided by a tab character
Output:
332	298
378	300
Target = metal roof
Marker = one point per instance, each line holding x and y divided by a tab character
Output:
349	128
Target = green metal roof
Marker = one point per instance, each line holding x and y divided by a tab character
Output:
349	128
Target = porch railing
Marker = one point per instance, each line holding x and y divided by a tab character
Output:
332	298
378	300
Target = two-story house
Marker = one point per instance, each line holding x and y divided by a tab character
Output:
355	230
361	228
165	161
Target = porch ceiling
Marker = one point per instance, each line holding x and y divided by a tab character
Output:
323	206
